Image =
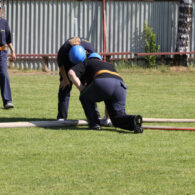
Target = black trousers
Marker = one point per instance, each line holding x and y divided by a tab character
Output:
113	92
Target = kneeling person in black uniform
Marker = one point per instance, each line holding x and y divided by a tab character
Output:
103	84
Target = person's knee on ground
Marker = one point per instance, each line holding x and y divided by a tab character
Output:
128	122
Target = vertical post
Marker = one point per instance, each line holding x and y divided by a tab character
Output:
45	67
104	28
184	29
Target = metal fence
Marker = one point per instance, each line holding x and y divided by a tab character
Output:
41	26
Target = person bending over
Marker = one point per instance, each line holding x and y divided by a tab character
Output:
69	54
103	84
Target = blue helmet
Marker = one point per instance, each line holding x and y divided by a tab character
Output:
95	55
77	54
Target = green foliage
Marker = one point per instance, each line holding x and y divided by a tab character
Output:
124	64
112	161
150	45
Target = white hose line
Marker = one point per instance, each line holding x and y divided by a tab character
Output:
169	128
67	123
74	123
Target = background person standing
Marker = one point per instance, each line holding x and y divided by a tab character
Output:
5	42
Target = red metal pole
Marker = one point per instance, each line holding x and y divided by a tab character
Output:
104	27
169	128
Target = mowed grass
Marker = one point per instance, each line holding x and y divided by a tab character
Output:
111	161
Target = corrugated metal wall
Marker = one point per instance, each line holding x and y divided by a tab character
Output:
42	26
125	21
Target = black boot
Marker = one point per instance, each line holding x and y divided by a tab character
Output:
138	124
95	127
128	122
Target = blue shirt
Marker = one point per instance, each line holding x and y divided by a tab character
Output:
5	34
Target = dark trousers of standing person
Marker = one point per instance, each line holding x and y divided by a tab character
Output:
113	92
63	100
4	79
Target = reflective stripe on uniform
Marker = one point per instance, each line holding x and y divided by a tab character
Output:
105	71
4	47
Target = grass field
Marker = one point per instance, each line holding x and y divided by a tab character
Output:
111	161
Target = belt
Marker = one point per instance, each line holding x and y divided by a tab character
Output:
4	47
105	71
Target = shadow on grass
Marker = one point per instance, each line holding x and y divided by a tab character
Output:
85	128
80	128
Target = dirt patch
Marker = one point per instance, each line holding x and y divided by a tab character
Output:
179	69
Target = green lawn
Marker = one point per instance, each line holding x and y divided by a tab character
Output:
111	161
